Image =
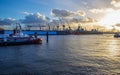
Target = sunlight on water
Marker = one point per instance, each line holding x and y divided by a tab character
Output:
113	47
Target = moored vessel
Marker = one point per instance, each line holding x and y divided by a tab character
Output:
18	38
116	35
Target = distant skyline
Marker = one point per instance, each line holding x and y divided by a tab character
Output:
40	11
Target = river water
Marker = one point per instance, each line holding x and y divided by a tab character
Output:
64	55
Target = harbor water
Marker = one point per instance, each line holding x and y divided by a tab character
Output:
64	55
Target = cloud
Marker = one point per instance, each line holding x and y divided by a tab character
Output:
26	13
70	16
110	19
88	20
61	13
54	22
80	13
73	21
85	3
36	18
118	25
115	3
102	10
96	10
7	21
66	13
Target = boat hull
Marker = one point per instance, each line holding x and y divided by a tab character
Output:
19	42
116	35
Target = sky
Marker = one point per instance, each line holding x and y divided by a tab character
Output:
100	12
14	8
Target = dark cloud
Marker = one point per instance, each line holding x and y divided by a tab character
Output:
66	13
61	13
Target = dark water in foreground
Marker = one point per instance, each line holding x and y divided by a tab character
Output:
64	55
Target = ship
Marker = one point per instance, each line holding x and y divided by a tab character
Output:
117	35
18	38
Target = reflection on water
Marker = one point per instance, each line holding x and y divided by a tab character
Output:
64	55
113	47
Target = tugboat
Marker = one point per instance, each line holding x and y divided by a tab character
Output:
116	35
18	38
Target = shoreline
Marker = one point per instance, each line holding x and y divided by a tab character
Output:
55	32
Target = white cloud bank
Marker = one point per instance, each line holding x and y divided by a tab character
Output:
7	21
36	18
115	3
